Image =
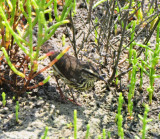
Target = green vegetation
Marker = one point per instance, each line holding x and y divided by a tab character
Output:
45	133
119	117
69	125
145	121
17	109
96	31
4	99
75	124
63	40
12	13
87	133
132	83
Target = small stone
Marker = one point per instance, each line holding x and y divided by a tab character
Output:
92	104
39	103
53	106
106	119
41	92
5	110
57	111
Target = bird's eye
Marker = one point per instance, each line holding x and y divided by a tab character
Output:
91	72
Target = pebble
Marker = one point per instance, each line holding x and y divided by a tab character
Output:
106	119
4	110
92	104
39	103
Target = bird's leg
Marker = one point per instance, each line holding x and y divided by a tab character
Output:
59	89
71	93
63	96
73	98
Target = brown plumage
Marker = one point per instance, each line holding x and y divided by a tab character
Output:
75	73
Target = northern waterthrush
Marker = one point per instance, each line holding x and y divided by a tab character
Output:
75	73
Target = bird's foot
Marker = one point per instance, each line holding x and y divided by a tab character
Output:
64	98
73	101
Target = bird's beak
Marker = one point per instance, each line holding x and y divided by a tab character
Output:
101	78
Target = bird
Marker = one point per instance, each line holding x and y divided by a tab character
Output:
77	74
